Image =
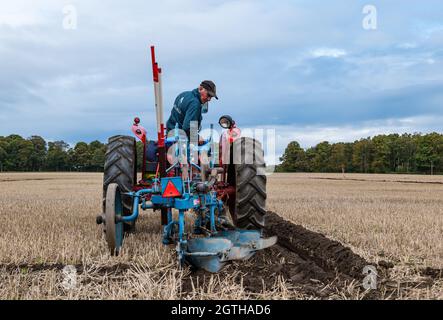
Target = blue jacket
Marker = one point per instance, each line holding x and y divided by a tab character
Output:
187	108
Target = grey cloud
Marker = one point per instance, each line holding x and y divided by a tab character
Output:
89	83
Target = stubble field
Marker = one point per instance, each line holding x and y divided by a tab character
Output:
334	225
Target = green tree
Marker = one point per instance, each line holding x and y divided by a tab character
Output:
3	153
38	155
293	159
429	152
24	155
363	155
349	149
18	153
381	157
407	150
338	161
57	158
97	151
319	157
81	157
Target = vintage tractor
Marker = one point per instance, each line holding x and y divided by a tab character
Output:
221	185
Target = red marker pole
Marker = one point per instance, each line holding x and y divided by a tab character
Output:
156	72
157	89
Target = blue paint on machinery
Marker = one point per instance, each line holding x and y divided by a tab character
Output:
187	181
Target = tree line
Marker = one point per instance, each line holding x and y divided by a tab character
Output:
392	153
35	154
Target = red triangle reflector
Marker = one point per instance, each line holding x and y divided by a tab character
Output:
171	191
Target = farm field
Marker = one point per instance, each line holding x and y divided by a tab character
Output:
330	226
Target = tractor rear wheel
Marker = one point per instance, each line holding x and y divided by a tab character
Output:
247	173
121	168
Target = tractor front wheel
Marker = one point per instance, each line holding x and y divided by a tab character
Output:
113	211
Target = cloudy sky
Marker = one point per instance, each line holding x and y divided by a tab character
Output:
307	69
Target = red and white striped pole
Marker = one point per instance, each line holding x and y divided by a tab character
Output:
156	72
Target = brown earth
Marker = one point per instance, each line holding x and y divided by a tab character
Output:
306	261
330	226
309	262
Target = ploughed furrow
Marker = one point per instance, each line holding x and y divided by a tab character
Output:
328	254
306	261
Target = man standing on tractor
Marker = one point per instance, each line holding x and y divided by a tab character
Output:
190	105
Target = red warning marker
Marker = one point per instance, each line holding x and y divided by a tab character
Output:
171	191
